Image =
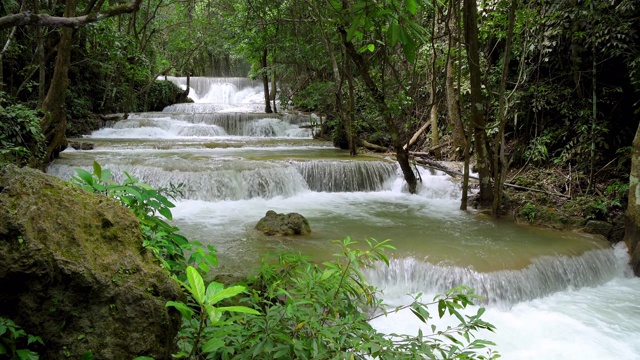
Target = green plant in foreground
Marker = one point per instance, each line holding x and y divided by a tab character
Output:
206	314
150	205
12	337
312	311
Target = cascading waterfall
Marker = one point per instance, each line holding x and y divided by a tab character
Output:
545	275
342	176
551	295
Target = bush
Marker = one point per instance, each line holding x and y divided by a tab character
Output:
310	311
21	139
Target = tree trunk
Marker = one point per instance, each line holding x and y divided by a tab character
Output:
350	118
632	216
458	136
477	108
265	82
40	58
402	155
435	136
54	122
499	160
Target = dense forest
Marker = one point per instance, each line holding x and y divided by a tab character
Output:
542	96
504	83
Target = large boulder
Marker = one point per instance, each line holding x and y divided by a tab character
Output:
73	272
283	225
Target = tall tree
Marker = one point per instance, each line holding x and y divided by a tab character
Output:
54	122
478	122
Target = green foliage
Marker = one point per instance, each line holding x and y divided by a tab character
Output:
15	342
311	311
151	207
161	94
21	139
529	212
317	96
203	313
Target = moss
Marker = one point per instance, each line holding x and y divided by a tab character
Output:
80	254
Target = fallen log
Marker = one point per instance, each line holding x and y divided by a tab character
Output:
451	172
370	146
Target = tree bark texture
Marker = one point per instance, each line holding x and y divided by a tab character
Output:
54	122
477	108
265	82
452	93
632	216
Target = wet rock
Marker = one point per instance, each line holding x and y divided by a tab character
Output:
598	227
283	225
81	145
72	271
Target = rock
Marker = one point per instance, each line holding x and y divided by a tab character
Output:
72	272
81	145
283	225
598	227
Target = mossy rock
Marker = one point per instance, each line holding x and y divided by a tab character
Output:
283	225
73	272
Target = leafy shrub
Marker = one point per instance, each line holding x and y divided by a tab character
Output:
310	311
21	139
150	206
317	96
14	342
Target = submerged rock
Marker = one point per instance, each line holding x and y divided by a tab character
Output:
283	225
73	272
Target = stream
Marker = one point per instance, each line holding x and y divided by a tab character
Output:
550	294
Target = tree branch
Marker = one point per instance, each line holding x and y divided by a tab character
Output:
27	18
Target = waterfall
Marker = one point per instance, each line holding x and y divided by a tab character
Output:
343	176
233	180
545	275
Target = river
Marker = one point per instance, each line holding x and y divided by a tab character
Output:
551	295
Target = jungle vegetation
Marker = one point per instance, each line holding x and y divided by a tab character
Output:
505	83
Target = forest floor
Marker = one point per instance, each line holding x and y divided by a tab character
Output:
561	200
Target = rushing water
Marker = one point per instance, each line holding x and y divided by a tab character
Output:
551	295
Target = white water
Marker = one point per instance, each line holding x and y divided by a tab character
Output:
550	295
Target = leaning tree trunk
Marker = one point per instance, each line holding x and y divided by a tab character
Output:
402	154
477	108
632	217
54	122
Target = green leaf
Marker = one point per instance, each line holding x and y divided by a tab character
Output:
224	294
166	213
212	345
412	6
213	288
26	354
183	308
197	284
239	309
97	169
85	176
87	356
327	274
